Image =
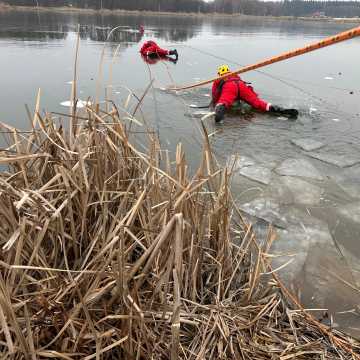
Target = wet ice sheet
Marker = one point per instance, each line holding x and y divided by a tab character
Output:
256	173
338	160
302	191
351	211
349	181
300	168
316	265
307	144
238	162
267	209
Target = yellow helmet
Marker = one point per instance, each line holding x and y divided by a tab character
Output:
223	69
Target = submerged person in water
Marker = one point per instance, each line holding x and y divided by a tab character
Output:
152	49
231	89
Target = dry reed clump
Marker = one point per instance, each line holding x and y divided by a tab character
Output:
107	252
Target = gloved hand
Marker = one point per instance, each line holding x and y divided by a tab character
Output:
220	110
174	52
289	113
275	109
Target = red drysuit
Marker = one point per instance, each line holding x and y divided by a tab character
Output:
235	89
151	48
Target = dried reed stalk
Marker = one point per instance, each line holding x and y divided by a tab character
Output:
105	255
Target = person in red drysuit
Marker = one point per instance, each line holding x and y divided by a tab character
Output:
226	91
152	49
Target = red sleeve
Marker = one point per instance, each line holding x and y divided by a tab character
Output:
214	92
144	47
229	93
248	95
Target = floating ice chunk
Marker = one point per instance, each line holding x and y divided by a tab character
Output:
282	118
200	114
311	110
207	95
70	82
239	162
256	173
334	159
349	181
351	211
298	167
307	144
295	243
80	103
328	78
302	191
336	120
266	209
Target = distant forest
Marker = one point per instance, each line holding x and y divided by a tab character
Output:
316	8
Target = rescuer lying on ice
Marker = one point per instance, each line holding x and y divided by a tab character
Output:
152	49
225	92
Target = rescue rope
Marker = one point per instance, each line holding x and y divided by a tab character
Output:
285	80
346	35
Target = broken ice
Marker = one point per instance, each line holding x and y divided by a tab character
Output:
307	144
298	167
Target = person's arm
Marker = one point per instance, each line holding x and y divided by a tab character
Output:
214	92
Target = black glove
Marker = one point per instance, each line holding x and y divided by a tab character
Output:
174	52
289	113
275	109
220	110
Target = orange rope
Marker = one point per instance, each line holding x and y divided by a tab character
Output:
346	35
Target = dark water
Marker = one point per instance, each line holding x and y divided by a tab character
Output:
320	224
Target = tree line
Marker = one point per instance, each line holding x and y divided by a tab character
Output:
247	7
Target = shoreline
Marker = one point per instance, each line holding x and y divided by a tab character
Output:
73	10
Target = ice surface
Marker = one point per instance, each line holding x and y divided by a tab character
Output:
79	103
298	167
256	173
267	209
349	181
351	211
307	144
302	191
238	162
334	159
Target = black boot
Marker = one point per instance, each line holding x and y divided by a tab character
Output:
174	52
220	110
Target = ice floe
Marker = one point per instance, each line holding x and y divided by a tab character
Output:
79	103
349	181
266	209
307	144
335	159
302	191
351	211
300	168
256	173
238	162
